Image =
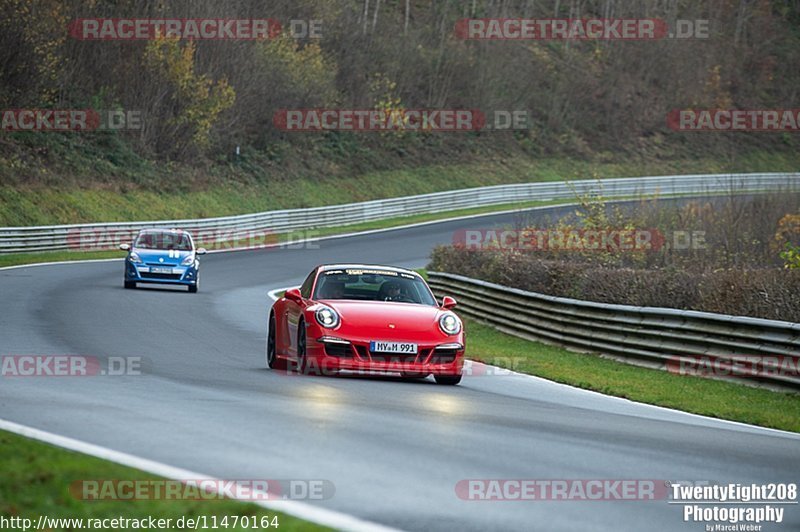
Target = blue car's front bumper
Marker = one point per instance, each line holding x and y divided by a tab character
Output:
142	273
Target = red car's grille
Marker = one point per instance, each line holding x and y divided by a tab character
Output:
392	357
397	357
425	355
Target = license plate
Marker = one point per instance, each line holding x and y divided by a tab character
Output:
159	269
392	347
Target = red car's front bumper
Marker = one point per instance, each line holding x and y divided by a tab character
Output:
446	358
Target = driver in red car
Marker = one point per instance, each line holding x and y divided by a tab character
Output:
391	292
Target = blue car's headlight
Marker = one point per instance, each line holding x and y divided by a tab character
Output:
449	323
188	261
134	258
327	317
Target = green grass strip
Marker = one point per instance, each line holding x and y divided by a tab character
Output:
714	398
37	477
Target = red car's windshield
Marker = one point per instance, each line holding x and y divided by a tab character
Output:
164	240
373	285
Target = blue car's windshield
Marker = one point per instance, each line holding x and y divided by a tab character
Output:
373	285
165	240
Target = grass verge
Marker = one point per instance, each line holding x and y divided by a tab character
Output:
37	476
16	259
724	400
175	193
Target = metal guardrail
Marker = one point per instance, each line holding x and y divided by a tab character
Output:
60	237
681	341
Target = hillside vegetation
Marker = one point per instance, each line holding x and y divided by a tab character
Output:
594	108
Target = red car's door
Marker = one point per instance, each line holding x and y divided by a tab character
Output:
296	303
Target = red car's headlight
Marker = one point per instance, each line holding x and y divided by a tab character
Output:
327	317
449	323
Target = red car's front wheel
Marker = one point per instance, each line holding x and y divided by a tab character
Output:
449	380
272	353
302	358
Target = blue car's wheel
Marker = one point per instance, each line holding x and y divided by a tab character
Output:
130	284
193	287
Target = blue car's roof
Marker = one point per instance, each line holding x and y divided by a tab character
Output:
159	230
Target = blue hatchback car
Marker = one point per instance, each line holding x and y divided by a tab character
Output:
162	256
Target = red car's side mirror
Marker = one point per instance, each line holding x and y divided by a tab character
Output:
293	294
448	302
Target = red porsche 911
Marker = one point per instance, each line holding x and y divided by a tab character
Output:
365	318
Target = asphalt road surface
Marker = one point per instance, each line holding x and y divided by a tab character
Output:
394	450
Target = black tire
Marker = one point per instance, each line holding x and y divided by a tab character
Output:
302	361
272	356
447	380
130	284
193	288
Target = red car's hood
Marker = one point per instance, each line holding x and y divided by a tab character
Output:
373	316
